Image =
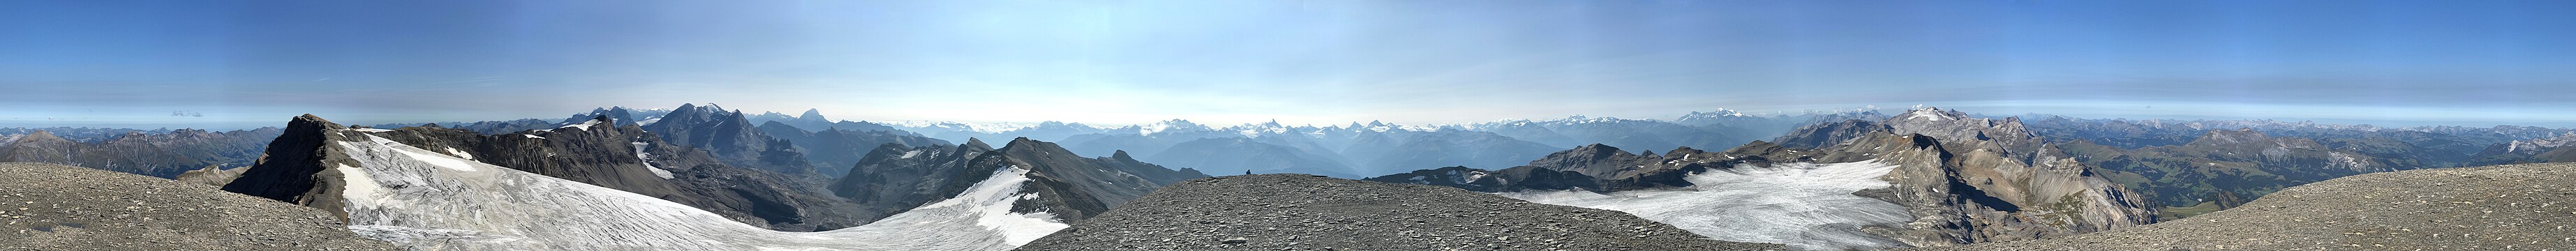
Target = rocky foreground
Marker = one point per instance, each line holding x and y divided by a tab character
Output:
1302	212
58	207
2510	207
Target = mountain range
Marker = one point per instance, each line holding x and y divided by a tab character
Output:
702	176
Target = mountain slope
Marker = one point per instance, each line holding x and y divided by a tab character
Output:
90	209
2511	207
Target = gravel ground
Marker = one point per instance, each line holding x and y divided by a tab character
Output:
2511	207
1302	212
58	207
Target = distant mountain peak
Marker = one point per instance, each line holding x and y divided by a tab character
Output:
812	114
1932	114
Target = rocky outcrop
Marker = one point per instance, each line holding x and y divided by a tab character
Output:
211	176
301	168
731	138
1989	180
77	208
2512	207
1066	185
1289	211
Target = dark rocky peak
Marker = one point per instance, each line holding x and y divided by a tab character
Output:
975	144
1121	155
299	166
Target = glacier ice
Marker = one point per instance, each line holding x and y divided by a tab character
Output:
1808	206
413	197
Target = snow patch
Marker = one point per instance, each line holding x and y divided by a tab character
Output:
1808	206
647	159
441	160
532	136
991	200
371	130
460	154
910	154
584	125
1924	115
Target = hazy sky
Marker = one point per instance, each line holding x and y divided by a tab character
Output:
228	63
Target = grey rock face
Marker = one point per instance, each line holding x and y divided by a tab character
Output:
1300	212
78	208
2510	207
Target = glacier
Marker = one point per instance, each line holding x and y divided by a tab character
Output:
427	201
1805	205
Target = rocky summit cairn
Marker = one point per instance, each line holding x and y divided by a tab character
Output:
58	207
1303	212
2511	207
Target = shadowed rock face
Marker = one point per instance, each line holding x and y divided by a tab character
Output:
1070	187
299	168
623	158
1290	211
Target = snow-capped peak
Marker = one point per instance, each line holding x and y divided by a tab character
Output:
1930	114
1167	125
1719	114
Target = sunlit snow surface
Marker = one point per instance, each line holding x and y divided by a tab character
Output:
408	196
1808	206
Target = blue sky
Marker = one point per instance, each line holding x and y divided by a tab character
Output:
248	63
